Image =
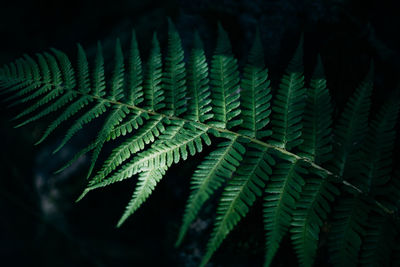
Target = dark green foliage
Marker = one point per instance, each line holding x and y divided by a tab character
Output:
174	74
167	113
255	94
350	215
224	83
351	128
288	105
199	103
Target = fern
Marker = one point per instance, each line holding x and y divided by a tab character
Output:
281	149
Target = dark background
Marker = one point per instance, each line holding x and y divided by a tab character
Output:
40	225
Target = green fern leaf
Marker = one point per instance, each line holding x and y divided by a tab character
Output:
313	206
135	143
68	112
174	78
378	240
199	103
239	195
377	149
67	72
281	195
117	79
159	155
135	79
317	120
225	84
256	93
53	94
83	71
133	122
93	113
161	117
153	92
116	116
288	105
208	177
311	211
146	184
351	128
350	213
99	83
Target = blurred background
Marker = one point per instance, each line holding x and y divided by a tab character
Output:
40	225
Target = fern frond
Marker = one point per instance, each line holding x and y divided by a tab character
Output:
99	83
116	116
93	113
56	91
351	128
67	74
199	102
224	84
135	143
174	78
378	242
68	112
160	117
214	170
56	105
288	105
26	87
153	92
160	155
256	93
344	240
376	157
317	119
77	155
311	211
117	79
239	195
281	195
133	122
82	72
146	184
135	77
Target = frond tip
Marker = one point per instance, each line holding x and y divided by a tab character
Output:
146	184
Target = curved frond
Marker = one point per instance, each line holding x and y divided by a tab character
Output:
311	211
146	184
239	195
158	114
376	155
208	177
116	116
93	113
281	195
378	242
135	143
159	155
344	241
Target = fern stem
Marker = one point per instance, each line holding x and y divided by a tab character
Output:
325	173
